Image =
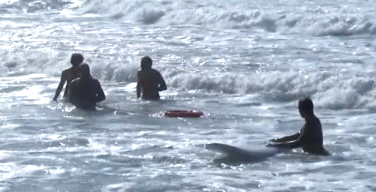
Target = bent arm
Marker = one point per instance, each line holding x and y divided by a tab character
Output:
306	134
288	145
287	138
100	95
162	83
60	87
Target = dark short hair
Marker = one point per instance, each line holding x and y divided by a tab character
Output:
146	62
306	105
77	58
84	69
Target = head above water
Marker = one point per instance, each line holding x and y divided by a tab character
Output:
146	63
76	59
84	70
306	107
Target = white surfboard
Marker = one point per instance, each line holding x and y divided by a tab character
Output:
239	154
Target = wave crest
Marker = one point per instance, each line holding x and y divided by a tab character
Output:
322	21
36	6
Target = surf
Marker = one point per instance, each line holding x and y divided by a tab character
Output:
235	154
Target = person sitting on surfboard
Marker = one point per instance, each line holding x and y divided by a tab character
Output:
85	91
310	138
69	75
149	81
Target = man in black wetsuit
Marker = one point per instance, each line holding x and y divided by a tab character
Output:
149	81
69	75
85	91
310	138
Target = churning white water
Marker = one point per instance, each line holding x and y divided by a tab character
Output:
244	64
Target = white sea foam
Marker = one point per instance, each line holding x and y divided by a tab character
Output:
329	89
322	21
325	20
244	64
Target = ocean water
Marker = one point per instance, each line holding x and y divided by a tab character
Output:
243	63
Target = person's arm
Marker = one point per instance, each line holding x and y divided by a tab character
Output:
61	85
288	145
139	86
301	140
306	134
162	84
100	94
287	138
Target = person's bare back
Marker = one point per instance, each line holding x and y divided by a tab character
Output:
311	138
149	81
85	92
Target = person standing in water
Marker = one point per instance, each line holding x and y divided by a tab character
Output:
69	75
310	138
85	91
149	81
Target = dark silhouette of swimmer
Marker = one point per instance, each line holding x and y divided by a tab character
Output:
149	81
85	91
69	75
310	138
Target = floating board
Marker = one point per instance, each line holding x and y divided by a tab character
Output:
184	113
240	154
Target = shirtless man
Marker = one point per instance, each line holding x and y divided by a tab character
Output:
149	81
310	138
85	91
69	75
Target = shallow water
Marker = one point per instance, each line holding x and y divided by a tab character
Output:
244	64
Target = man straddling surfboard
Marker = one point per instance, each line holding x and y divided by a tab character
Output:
310	138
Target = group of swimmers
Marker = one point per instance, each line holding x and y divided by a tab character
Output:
84	91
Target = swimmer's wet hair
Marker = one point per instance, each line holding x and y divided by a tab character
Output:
146	62
84	69
77	57
306	105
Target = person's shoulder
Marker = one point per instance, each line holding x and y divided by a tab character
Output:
96	81
156	71
314	122
96	84
317	120
141	74
66	71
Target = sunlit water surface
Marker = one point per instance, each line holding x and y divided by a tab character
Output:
243	63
